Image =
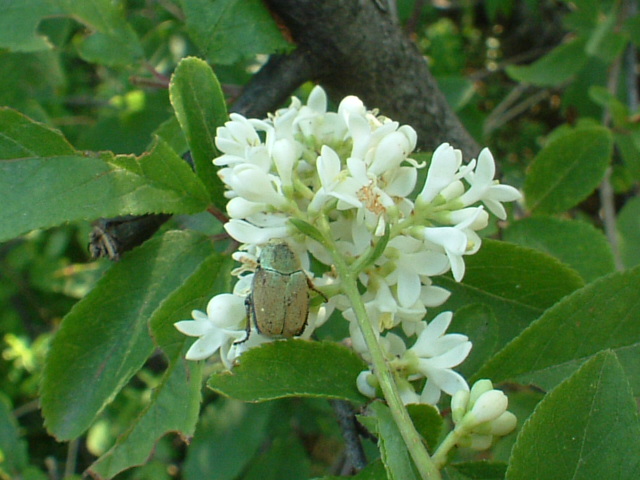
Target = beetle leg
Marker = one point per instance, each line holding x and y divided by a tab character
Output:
313	287
248	305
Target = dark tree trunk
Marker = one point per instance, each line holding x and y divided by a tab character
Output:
357	47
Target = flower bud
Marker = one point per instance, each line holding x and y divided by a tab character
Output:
504	424
478	388
367	383
459	403
480	442
489	406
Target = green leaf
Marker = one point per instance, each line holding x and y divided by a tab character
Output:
174	407
46	183
374	471
34	76
13	449
286	458
229	435
393	450
212	277
19	22
604	41
602	315
428	422
484	470
628	144
112	40
479	324
21	137
228	31
104	340
556	67
517	283
293	368
628	228
175	404
586	428
568	169
458	90
307	229
575	243
199	105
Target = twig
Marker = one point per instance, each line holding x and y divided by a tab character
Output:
504	112
72	458
354	450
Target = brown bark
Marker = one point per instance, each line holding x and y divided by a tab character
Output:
356	47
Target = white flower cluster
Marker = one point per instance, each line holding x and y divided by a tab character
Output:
349	176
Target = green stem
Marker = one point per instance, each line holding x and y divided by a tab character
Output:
412	439
440	456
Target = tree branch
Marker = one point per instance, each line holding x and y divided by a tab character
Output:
357	48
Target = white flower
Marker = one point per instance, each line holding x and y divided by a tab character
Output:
222	325
236	136
444	164
437	353
485	189
246	232
412	262
454	243
335	182
254	184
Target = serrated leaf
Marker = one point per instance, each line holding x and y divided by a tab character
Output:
602	315
568	169
628	228
104	340
46	183
293	368
517	283
586	428
174	407
199	105
393	450
230	30
575	243
23	138
229	435
175	404
554	68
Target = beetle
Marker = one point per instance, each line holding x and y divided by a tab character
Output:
278	304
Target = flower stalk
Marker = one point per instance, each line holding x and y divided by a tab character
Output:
426	467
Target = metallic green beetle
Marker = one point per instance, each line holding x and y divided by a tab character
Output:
278	304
